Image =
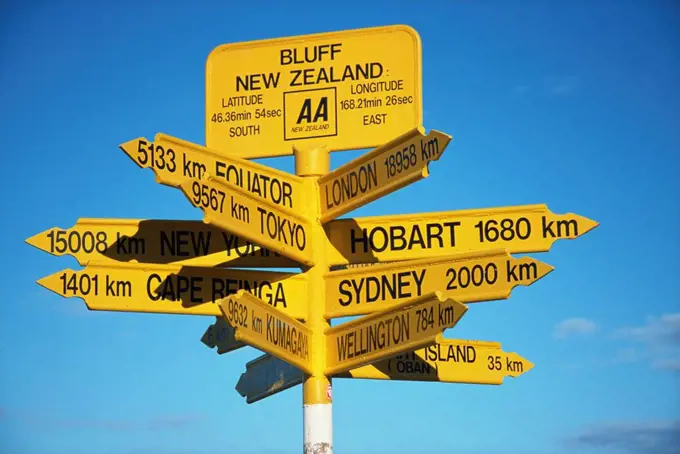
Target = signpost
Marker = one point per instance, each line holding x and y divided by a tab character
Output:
172	289
468	277
263	327
518	229
382	171
407	275
342	90
155	241
232	209
403	327
450	361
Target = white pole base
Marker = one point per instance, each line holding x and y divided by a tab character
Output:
318	423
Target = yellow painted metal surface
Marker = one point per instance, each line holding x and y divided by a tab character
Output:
449	361
467	277
393	165
405	326
174	160
263	327
232	209
156	241
171	289
221	335
345	90
519	229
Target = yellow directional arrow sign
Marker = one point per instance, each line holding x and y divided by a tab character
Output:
379	172
263	327
467	277
171	289
174	160
523	228
221	335
230	208
406	326
155	241
450	361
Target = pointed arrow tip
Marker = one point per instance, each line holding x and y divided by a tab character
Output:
36	241
51	282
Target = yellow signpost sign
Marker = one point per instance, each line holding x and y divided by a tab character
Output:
155	241
519	229
450	361
260	325
221	335
409	275
342	90
389	167
172	289
406	326
174	160
468	277
232	209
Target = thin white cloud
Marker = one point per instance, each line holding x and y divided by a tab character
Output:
573	327
657	330
630	437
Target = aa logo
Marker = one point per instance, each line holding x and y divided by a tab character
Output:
310	113
321	112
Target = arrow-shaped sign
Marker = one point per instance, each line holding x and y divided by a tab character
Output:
519	229
221	335
174	160
263	327
468	277
450	361
267	375
379	172
406	326
172	289
231	208
155	241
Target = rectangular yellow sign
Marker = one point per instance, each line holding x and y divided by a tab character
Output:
174	160
387	168
230	208
345	90
171	289
519	229
406	326
467	277
157	241
265	328
221	335
448	361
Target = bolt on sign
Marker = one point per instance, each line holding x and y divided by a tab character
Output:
342	90
407	276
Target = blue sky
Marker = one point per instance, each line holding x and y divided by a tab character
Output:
572	104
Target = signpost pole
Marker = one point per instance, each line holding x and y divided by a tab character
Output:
316	388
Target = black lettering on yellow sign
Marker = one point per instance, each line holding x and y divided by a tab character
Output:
321	111
287	336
